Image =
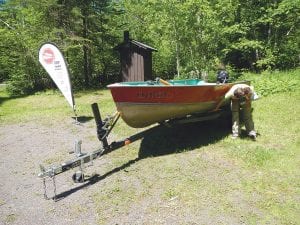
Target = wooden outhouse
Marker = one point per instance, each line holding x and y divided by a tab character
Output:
135	59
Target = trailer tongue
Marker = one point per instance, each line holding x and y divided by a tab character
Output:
104	127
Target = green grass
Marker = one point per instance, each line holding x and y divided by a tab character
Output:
195	172
50	105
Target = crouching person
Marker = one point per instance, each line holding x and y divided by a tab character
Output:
241	96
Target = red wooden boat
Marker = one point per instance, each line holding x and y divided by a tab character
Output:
141	104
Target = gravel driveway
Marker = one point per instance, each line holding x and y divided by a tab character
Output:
23	148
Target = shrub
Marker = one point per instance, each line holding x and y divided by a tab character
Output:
19	84
268	83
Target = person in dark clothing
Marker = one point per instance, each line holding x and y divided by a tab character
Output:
222	76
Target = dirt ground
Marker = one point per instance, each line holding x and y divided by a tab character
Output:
23	148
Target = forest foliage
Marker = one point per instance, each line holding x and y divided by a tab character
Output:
192	37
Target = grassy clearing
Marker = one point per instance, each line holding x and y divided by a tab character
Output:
50	105
193	173
252	182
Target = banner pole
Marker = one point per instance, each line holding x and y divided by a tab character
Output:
76	116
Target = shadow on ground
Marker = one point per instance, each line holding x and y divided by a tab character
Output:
83	119
162	140
4	98
167	140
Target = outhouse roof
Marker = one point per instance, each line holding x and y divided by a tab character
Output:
135	43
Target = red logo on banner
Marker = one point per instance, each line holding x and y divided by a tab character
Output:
48	56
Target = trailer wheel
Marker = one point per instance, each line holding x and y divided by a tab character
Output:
78	177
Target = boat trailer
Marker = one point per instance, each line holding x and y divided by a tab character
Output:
104	127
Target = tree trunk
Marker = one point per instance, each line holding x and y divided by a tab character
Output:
86	64
177	50
177	60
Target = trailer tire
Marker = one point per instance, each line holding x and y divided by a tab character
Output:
78	177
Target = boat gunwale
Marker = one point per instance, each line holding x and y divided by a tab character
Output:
204	84
116	85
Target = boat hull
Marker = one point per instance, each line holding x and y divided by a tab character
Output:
142	115
141	106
